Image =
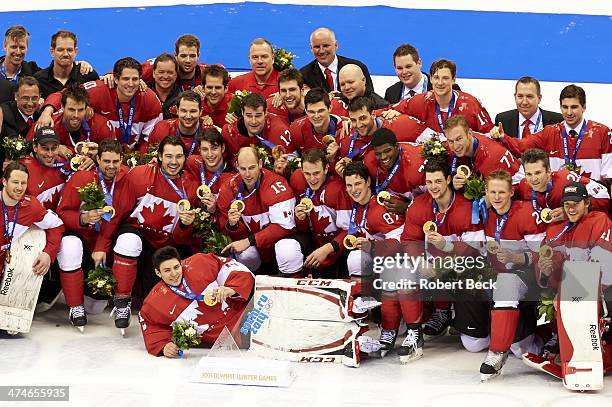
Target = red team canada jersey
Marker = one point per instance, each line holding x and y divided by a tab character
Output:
218	113
31	212
600	201
103	100
275	131
203	273
304	137
594	155
409	179
148	202
268	213
408	129
193	165
282	113
248	82
69	208
380	224
99	129
521	232
184	84
423	107
170	127
45	183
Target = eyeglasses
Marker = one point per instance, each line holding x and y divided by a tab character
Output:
26	99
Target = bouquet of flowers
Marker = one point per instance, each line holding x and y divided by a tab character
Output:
185	335
16	147
573	167
283	59
91	197
134	158
235	105
265	157
294	165
101	281
434	149
212	241
474	187
546	306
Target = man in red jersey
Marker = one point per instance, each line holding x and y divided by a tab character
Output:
442	102
291	107
216	97
83	226
262	78
180	297
581	145
154	211
255	210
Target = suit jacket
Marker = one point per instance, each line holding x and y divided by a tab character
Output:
7	88
393	94
12	124
510	120
314	78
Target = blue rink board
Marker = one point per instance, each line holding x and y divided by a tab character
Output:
487	45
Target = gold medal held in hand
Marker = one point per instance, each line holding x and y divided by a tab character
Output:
75	163
546	215
278	151
183	205
492	246
546	252
328	139
464	170
430	226
307	202
350	242
383	196
210	299
346	160
202	191
109	209
238	205
81	148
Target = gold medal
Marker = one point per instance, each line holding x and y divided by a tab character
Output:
383	196
75	162
308	203
278	151
210	299
328	139
430	226
492	246
81	148
546	215
546	251
109	209
183	205
464	170
346	160
350	242
238	205
202	191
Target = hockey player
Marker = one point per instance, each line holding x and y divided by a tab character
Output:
255	210
578	144
323	209
290	84
83	227
216	97
155	211
185	292
544	188
262	78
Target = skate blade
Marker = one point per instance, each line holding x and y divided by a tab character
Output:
404	360
484	377
81	328
122	332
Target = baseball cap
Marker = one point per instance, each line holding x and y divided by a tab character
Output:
574	191
46	135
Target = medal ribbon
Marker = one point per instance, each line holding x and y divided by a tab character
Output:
391	174
193	139
9	236
567	227
451	107
499	226
126	128
179	192
353	228
15	78
215	176
534	196
434	206
240	196
187	294
566	155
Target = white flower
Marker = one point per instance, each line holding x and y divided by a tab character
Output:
190	332
101	284
18	145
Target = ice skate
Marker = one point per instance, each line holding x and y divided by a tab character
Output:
412	347
78	318
387	341
438	323
122	312
550	350
492	365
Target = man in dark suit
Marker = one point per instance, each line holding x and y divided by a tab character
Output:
13	65
323	71
527	118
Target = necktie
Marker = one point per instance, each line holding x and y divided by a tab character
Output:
526	129
30	122
329	79
411	93
573	133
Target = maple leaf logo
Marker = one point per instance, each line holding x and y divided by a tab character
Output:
323	222
156	216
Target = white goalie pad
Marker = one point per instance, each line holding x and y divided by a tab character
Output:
305	299
307	341
578	325
19	287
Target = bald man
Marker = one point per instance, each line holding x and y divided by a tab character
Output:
256	211
323	71
353	86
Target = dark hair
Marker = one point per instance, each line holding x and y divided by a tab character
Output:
16	32
457	121
63	34
404	50
383	136
435	165
290	74
533	155
187	40
191	96
126	63
14	166
501	175
526	80
216	71
573	91
254	101
359	103
164	58
165	253
170	141
110	145
313	156
356	168
27	81
443	63
213	136
316	95
76	92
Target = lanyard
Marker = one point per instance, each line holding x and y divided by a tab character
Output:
353	228
451	107
84	126
14	79
567	227
535	127
193	139
215	176
187	294
9	236
57	165
331	130
240	196
566	155
126	128
351	153
534	196
434	206
179	192
310	194
265	142
391	174
108	196
454	159
499	225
